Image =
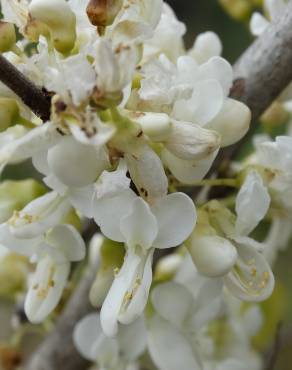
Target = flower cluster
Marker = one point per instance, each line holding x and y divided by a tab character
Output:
134	117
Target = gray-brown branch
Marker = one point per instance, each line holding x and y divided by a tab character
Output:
32	96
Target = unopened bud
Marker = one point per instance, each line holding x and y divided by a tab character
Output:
155	125
213	256
56	18
102	13
232	122
7	36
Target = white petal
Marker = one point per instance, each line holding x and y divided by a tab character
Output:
220	70
205	103
39	215
55	184
188	172
82	199
258	24
26	247
169	348
138	291
40	162
206	46
132	339
252	278
176	217
67	239
148	174
46	289
232	122
172	301
36	140
86	333
109	211
75	164
112	183
79	77
213	256
139	226
252	204
122	284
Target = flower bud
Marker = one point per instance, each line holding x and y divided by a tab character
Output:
7	36
232	122
102	13
213	256
56	18
155	125
190	141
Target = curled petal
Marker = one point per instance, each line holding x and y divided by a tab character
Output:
45	289
252	204
188	172
251	279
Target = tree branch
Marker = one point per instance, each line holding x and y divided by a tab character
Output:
36	99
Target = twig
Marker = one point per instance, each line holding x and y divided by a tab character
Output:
32	96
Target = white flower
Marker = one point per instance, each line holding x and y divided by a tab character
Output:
114	67
110	353
232	254
53	253
38	216
124	217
